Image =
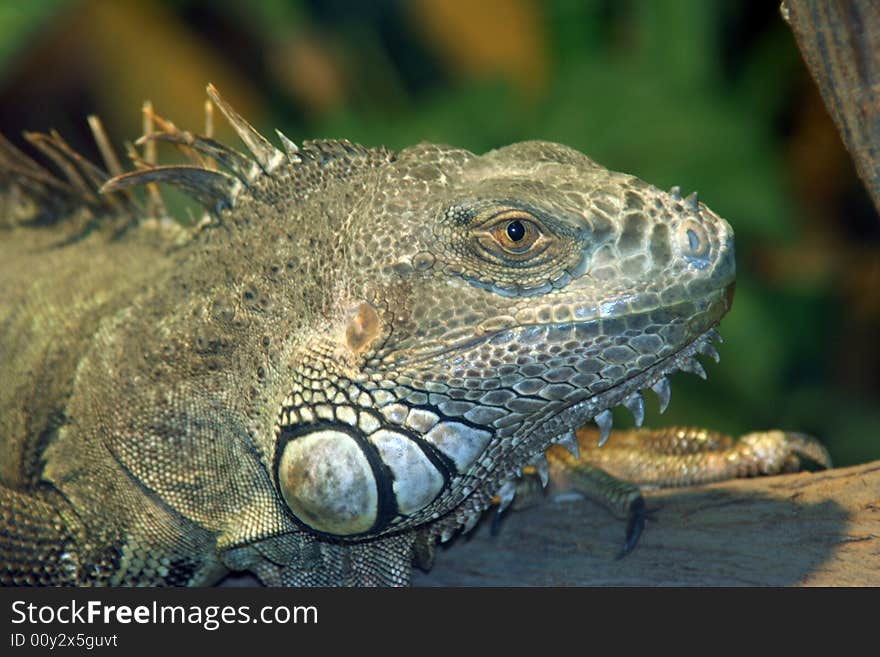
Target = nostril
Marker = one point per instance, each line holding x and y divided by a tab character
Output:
693	243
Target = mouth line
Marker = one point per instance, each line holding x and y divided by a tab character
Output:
715	298
598	407
559	427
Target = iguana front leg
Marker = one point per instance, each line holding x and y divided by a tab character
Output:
614	473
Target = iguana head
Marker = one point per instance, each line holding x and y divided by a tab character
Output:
501	302
472	310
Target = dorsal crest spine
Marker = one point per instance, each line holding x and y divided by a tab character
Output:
110	194
216	190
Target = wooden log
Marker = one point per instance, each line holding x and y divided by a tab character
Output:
818	529
840	43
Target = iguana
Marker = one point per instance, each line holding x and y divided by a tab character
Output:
350	358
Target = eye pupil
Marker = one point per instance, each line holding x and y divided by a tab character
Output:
516	231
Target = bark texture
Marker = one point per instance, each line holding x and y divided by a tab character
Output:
816	529
840	43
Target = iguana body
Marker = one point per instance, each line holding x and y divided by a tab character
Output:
352	360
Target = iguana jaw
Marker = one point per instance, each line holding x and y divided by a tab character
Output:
628	394
332	463
560	427
524	443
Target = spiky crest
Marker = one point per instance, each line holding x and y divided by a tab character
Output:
82	183
215	189
78	186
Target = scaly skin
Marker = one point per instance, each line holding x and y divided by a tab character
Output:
664	458
347	363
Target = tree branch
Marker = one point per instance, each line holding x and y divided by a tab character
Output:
818	528
840	42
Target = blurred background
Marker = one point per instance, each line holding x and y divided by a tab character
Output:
706	94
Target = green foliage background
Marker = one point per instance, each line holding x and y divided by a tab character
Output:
706	94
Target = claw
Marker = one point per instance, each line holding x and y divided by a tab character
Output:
495	526
675	193
634	526
692	202
778	447
809	448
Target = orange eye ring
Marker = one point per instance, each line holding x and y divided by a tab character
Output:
515	232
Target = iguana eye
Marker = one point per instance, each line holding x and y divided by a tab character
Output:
515	232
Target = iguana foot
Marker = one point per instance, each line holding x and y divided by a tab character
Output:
686	456
615	473
569	474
